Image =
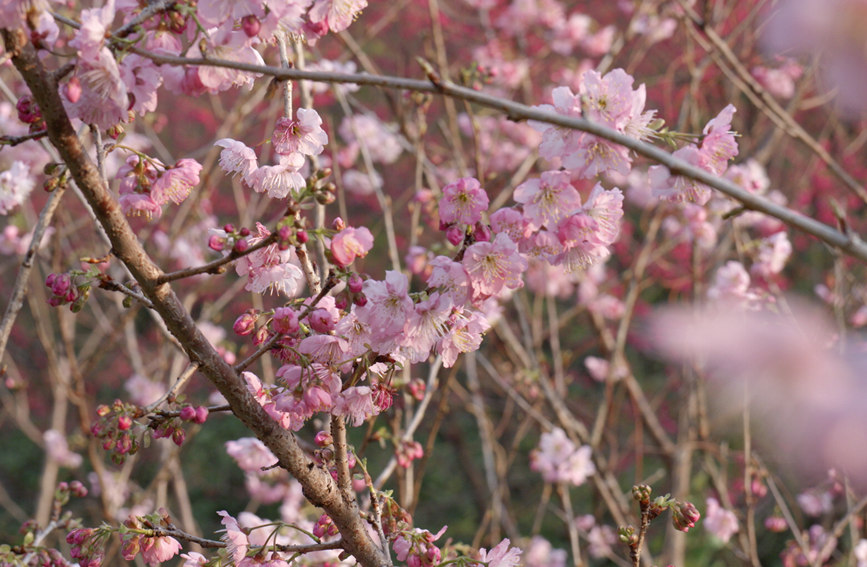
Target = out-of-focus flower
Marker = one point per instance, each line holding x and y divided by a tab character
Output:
559	460
833	28
721	523
792	370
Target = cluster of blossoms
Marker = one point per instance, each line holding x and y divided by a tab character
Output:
146	185
114	427
88	545
559	460
153	549
292	139
607	100
718	146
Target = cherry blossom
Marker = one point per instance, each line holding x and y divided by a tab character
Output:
463	202
349	244
304	134
16	183
493	266
719	522
281	180
270	268
559	460
548	199
236	158
501	555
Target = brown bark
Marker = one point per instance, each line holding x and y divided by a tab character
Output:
318	486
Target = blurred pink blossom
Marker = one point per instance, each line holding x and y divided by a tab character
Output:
719	522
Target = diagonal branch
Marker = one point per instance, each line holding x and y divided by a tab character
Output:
318	486
846	242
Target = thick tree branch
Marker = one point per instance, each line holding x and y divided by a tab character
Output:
319	488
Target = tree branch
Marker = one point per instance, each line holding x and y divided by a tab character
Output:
848	243
318	486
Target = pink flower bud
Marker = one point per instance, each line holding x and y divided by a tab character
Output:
28	110
261	335
454	234
124	422
482	232
229	228
360	300
416	388
72	90
355	283
245	324
302	236
241	246
245	232
323	439
251	25
284	233
178	436
201	415
338	224
776	524
216	243
188	413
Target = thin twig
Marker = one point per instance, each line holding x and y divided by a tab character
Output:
214	267
19	290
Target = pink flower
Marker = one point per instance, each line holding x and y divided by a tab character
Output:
356	403
559	460
493	266
558	141
772	255
719	144
225	43
679	188
303	135
104	99
215	12
16	183
138	204
270	268
387	309
236	158
501	555
251	454
159	549
236	540
378	138
176	183
349	244
90	37
336	14
465	335
279	181
719	522
463	202
142	78
193	559
548	199
731	282
606	208
425	326
58	449
540	553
